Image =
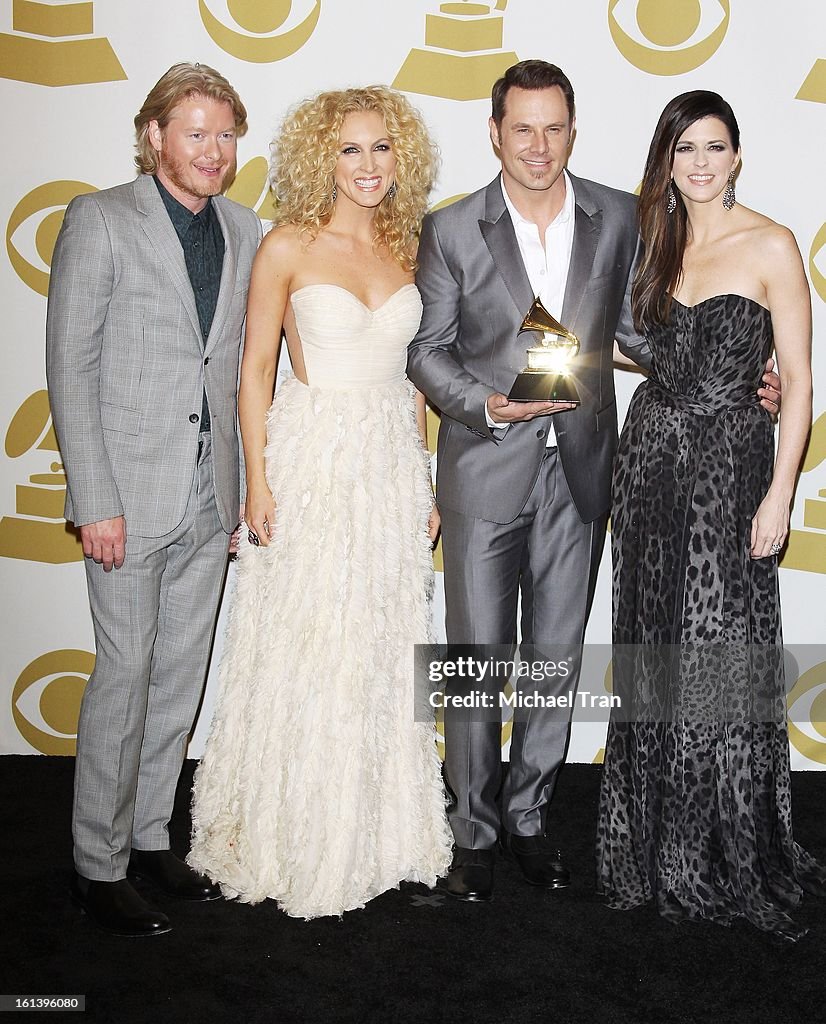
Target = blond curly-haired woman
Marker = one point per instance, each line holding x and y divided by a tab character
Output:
318	788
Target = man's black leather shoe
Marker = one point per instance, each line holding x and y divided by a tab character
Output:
117	908
539	860
171	875
470	876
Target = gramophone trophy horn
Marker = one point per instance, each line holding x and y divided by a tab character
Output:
548	375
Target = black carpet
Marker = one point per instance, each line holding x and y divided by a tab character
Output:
410	956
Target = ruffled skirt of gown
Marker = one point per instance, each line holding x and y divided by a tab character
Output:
317	787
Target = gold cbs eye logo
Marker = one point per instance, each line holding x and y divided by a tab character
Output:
807	714
818	249
668	37
251	188
29	243
45	701
260	36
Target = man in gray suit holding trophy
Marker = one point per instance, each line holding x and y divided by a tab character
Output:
524	495
146	307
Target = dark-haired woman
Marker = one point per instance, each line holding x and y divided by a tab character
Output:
695	804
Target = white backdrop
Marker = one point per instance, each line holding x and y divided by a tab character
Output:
73	75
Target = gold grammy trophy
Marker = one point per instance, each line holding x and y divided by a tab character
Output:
464	56
547	377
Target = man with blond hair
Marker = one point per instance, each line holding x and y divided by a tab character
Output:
146	308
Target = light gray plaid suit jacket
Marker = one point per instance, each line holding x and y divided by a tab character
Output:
126	365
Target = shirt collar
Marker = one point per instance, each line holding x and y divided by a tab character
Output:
180	216
564	215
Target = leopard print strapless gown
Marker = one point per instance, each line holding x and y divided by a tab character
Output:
695	808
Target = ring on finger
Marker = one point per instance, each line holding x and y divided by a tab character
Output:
775	548
253	538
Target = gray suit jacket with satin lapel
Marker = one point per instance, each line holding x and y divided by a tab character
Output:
126	363
476	292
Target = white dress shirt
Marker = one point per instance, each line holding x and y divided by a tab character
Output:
546	265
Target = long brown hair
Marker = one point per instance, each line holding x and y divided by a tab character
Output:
664	234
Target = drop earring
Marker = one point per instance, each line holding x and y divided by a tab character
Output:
672	199
728	192
391	192
334	193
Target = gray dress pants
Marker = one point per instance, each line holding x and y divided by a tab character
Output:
551	557
153	620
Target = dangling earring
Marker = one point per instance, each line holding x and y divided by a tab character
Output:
672	199
391	192
334	193
728	192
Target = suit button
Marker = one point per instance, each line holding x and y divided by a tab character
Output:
540	433
206	360
193	417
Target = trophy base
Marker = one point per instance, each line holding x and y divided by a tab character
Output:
543	387
58	62
53	543
451	75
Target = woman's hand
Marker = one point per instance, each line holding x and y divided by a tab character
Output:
260	514
235	536
433	524
770	525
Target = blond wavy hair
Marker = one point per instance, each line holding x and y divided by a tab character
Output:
304	155
181	82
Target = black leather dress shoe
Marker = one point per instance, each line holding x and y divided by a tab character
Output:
171	875
470	876
539	860
117	908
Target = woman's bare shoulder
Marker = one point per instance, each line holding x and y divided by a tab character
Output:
284	241
762	230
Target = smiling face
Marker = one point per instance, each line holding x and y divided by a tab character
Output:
533	140
703	159
196	150
366	164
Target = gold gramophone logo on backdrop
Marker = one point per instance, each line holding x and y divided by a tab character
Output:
806	548
464	54
814	88
45	701
668	37
260	36
36	241
53	44
38	532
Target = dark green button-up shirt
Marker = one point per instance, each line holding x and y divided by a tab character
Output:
203	243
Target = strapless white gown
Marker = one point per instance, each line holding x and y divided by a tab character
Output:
317	787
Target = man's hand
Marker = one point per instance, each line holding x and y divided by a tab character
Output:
236	534
105	542
502	410
770	394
